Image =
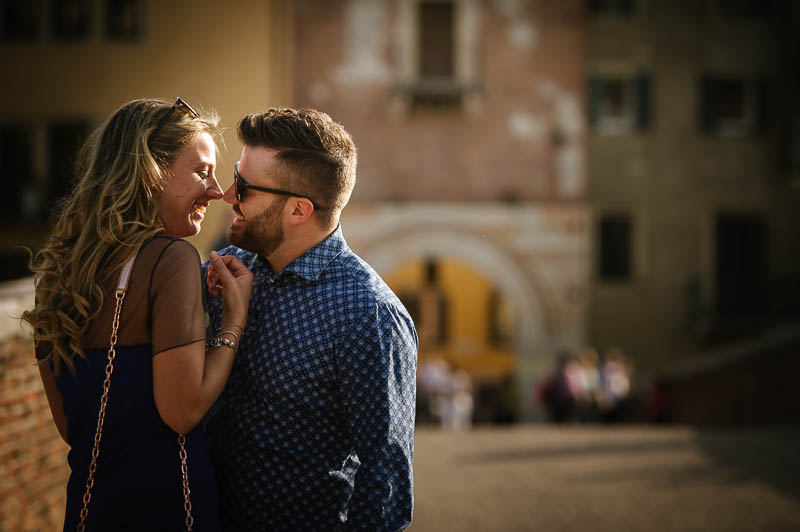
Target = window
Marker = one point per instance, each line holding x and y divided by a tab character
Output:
740	265
743	9
428	308
612	7
71	20
432	308
410	301
436	40
615	247
124	19
619	105
32	188
437	52
501	319
733	107
20	20
64	141
37	162
16	166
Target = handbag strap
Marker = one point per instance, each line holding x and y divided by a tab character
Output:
121	291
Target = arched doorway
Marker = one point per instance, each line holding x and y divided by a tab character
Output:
462	251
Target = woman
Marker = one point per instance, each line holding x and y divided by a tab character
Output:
145	179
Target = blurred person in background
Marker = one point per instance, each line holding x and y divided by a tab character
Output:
458	409
145	178
435	378
557	392
615	383
315	429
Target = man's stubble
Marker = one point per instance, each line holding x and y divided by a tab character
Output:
264	233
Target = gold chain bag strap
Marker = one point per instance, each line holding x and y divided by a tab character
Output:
122	290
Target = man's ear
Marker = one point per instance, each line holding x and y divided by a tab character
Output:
301	211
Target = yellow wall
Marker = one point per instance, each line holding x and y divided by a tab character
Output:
232	56
468	344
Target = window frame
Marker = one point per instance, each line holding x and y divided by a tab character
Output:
637	104
630	273
757	99
409	85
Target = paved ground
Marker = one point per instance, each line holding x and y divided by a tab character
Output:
599	479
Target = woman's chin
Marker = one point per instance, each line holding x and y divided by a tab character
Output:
184	232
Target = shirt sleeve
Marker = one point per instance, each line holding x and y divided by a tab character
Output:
178	317
377	361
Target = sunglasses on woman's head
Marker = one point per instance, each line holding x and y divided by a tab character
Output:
178	103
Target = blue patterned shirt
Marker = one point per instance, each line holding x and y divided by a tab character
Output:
315	428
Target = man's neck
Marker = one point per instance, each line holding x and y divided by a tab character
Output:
294	247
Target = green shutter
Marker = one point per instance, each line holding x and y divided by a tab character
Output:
594	90
762	104
641	88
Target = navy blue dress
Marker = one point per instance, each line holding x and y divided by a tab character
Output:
138	482
138	478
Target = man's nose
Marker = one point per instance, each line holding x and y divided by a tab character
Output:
230	195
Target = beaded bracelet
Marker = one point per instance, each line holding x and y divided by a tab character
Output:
236	336
220	341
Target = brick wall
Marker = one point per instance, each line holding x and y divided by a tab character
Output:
33	464
751	384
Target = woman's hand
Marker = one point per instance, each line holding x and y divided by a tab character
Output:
188	379
230	279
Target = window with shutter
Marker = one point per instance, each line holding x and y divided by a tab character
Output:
71	20
732	106
125	20
615	243
619	105
21	20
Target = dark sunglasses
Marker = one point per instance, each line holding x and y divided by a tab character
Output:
178	102
242	185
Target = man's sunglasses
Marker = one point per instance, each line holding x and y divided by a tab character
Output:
178	103
242	185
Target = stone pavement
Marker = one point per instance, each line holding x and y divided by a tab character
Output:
600	479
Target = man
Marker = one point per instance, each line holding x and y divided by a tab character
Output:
315	428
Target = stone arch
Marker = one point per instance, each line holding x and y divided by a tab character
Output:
533	329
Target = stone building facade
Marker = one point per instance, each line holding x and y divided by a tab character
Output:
469	120
693	155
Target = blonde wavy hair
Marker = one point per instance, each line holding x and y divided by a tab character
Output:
110	213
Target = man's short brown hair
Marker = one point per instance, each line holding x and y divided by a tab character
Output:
317	157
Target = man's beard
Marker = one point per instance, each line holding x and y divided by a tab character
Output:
264	233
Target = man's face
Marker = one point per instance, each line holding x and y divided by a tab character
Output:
258	225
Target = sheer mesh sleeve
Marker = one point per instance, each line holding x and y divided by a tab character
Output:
176	294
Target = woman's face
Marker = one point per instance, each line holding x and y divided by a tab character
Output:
191	184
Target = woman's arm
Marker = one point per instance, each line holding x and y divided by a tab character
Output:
188	379
53	399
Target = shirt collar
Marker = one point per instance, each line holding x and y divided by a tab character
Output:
313	262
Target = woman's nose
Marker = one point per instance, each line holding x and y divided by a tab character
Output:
214	190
